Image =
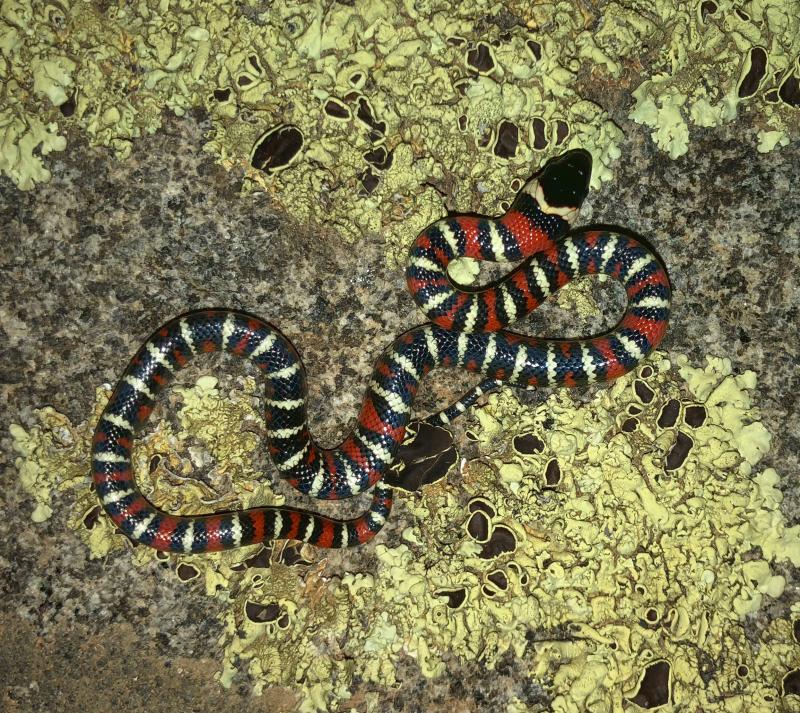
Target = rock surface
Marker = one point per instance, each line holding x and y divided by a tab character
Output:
106	252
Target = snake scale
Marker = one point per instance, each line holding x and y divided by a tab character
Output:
466	329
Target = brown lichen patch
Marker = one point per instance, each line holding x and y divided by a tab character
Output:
91	517
629	425
535	48
379	157
481	505
561	132
369	182
501	541
276	149
651	615
679	451
695	415
337	110
481	58
654	689
366	114
552	473
293	553
187	572
426	456
455	597
539	132
528	443
742	671
756	71
478	526
669	414
707	7
261	559
262	613
790	685
498	578
643	391
789	91
507	140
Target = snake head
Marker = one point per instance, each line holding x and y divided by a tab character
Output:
565	179
563	184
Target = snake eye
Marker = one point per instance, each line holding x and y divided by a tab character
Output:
565	179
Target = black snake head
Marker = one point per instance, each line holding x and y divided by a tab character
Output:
565	179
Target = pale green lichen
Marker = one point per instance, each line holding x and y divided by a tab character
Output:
593	541
401	79
21	135
400	106
404	110
47	458
705	75
704	62
700	522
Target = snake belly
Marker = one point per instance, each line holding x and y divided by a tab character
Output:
467	330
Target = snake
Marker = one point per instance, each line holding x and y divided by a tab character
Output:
467	328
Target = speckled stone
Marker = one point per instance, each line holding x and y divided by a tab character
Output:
101	256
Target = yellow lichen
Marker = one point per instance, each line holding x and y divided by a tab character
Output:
599	542
392	108
397	105
705	78
52	457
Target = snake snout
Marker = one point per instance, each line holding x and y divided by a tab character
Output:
565	179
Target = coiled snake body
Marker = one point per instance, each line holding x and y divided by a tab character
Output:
466	330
